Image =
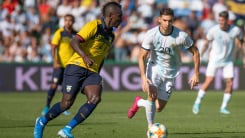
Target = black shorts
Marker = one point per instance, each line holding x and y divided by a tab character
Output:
76	78
58	74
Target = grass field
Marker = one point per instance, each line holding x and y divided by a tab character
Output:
18	112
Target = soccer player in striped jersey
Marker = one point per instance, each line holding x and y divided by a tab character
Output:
163	45
61	52
91	45
222	37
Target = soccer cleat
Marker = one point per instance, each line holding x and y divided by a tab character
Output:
65	133
38	130
196	108
66	112
134	108
45	110
224	111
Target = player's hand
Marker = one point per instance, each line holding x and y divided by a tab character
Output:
145	84
149	88
88	61
56	64
152	92
194	81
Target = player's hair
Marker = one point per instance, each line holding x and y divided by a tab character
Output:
224	14
107	8
72	17
167	11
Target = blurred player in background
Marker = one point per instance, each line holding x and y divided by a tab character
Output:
91	44
61	53
163	45
223	38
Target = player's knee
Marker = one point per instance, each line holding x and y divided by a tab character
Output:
54	85
159	109
229	83
66	103
95	99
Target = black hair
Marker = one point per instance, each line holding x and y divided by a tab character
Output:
167	11
107	6
70	15
224	14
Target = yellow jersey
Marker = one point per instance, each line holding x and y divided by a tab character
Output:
96	45
61	40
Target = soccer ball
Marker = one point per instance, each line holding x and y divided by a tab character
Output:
157	130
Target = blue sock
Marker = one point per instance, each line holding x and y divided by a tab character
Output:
54	111
82	114
51	93
43	120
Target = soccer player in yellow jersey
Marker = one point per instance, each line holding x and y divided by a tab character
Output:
61	52
91	45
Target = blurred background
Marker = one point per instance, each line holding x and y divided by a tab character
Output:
27	27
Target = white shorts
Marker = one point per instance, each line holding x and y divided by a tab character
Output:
228	70
164	85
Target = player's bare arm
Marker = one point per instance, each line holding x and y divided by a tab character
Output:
205	47
146	83
75	43
54	56
194	81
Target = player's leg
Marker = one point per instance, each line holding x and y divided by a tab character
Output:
92	88
57	78
228	71
55	110
71	86
165	90
149	103
210	72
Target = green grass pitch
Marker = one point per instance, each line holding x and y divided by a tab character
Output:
18	112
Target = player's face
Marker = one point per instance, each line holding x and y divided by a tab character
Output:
116	19
166	22
223	22
68	22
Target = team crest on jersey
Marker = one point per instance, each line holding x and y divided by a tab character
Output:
68	88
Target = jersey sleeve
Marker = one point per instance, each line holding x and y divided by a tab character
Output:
239	33
188	42
210	34
147	41
56	38
88	31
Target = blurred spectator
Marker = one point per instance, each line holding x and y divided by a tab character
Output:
30	3
206	11
3	13
23	21
200	41
145	9
45	50
120	45
218	7
78	11
208	22
192	22
33	19
33	51
9	5
18	52
43	9
63	9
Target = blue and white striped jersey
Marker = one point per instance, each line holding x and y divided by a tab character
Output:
165	50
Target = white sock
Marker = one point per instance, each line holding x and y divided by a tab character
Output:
200	95
142	103
150	112
226	99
